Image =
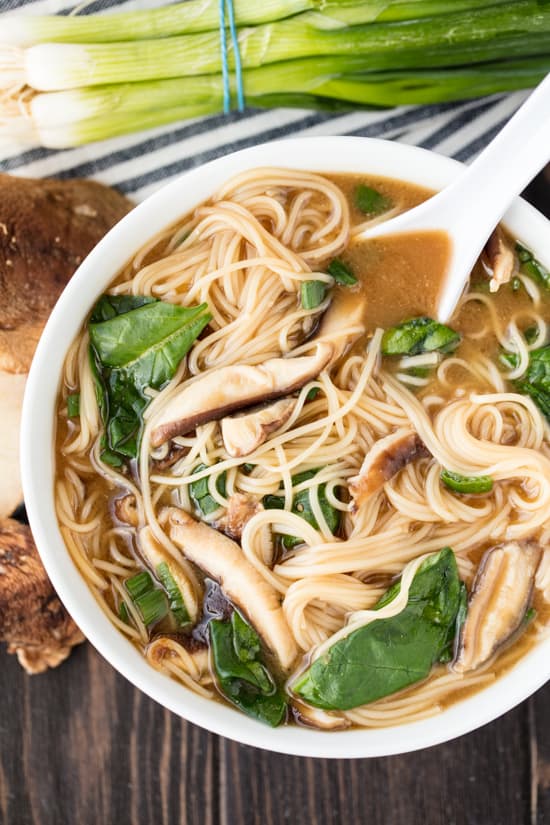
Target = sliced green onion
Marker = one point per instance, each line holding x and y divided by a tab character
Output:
73	405
177	604
152	606
466	484
516	284
313	293
139	584
200	492
341	273
371	201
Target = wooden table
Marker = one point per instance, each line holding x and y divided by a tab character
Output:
80	746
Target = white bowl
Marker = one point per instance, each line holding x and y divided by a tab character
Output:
334	154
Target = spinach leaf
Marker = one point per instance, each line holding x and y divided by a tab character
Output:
419	335
301	506
341	273
241	675
530	266
387	655
536	379
466	484
110	305
200	494
138	347
371	201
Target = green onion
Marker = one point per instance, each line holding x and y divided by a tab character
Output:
139	584
150	601
152	606
200	493
325	54
73	405
177	605
203	15
341	273
313	293
466	484
370	201
516	284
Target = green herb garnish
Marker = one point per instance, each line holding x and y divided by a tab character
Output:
466	484
371	201
313	293
341	273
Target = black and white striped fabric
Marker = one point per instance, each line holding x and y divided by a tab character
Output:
138	164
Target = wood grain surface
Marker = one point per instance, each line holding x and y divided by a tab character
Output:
80	746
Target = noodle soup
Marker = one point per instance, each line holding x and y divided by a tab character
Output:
285	483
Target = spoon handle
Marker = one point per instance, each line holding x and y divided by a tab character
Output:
507	164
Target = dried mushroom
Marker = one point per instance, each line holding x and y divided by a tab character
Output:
11	399
33	621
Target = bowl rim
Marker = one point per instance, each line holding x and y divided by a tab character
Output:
322	154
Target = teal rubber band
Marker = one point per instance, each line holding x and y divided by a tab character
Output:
225	60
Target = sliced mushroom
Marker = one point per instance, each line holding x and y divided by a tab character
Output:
500	597
227	389
240	509
242	434
33	621
126	510
385	458
500	258
11	399
317	718
155	555
223	560
347	311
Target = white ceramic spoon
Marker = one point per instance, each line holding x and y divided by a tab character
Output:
469	209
